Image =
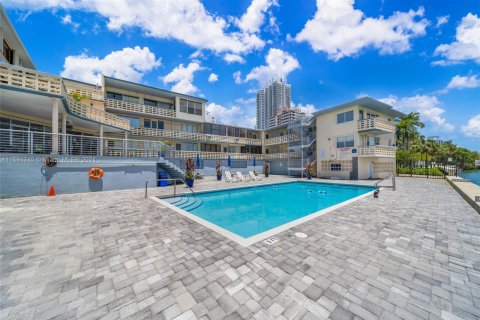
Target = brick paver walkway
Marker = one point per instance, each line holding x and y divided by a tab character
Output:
411	254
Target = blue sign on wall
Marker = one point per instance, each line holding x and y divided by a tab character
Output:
354	150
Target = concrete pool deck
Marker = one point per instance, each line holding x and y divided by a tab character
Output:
410	254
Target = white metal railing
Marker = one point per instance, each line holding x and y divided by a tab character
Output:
280	139
30	79
138	108
376	124
377	151
208	138
33	142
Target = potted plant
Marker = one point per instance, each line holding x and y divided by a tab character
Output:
189	172
218	168
309	170
266	169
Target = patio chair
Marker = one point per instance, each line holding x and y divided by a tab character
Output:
242	178
229	178
253	176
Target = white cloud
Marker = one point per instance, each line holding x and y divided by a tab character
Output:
466	82
467	44
213	77
67	20
237	76
472	128
254	17
127	64
341	31
441	20
429	107
247	102
232	116
231	57
279	64
182	77
186	21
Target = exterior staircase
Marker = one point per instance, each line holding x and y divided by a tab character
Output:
171	169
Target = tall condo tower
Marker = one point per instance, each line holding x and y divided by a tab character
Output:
274	97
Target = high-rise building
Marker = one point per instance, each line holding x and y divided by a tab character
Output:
285	116
276	96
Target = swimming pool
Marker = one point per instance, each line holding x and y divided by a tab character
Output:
250	214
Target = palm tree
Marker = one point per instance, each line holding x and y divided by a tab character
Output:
407	128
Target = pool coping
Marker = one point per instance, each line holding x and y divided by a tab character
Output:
245	242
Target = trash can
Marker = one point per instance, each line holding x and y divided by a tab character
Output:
162	175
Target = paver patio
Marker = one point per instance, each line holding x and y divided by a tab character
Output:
413	253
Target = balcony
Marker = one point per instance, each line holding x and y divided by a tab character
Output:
34	82
190	136
376	126
377	151
90	92
137	108
279	140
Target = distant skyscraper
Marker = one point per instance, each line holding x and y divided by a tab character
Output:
276	96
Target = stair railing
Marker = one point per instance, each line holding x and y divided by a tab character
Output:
174	185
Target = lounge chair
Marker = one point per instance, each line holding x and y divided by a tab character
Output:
253	176
229	178
241	177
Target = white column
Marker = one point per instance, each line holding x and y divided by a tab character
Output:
64	133
125	142
55	126
101	140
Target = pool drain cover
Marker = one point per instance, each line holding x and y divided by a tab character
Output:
300	235
270	241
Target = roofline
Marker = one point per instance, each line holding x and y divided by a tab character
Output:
150	87
361	102
2	9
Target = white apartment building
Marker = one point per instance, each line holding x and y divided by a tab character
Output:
277	95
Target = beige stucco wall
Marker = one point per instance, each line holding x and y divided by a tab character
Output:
328	130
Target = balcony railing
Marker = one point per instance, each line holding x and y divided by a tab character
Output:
30	79
376	124
33	142
207	138
84	91
92	113
377	151
138	108
281	139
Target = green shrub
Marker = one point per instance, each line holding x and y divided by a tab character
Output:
420	171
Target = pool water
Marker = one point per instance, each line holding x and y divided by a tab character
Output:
253	210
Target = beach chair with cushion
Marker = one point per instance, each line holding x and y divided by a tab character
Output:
253	176
229	178
242	178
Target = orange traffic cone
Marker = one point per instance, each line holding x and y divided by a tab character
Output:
51	193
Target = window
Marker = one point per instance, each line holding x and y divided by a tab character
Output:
149	102
190	107
373	141
344	117
146	123
154	124
7	52
335	167
134	122
345	142
371	115
131	99
113	95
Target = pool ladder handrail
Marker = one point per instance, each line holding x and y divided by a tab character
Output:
394	183
174	185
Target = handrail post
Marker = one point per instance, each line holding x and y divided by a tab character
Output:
174	188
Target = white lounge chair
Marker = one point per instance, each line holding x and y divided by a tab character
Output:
241	177
229	178
253	176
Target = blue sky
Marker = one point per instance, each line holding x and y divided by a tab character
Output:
416	55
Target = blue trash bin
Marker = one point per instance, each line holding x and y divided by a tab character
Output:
162	175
